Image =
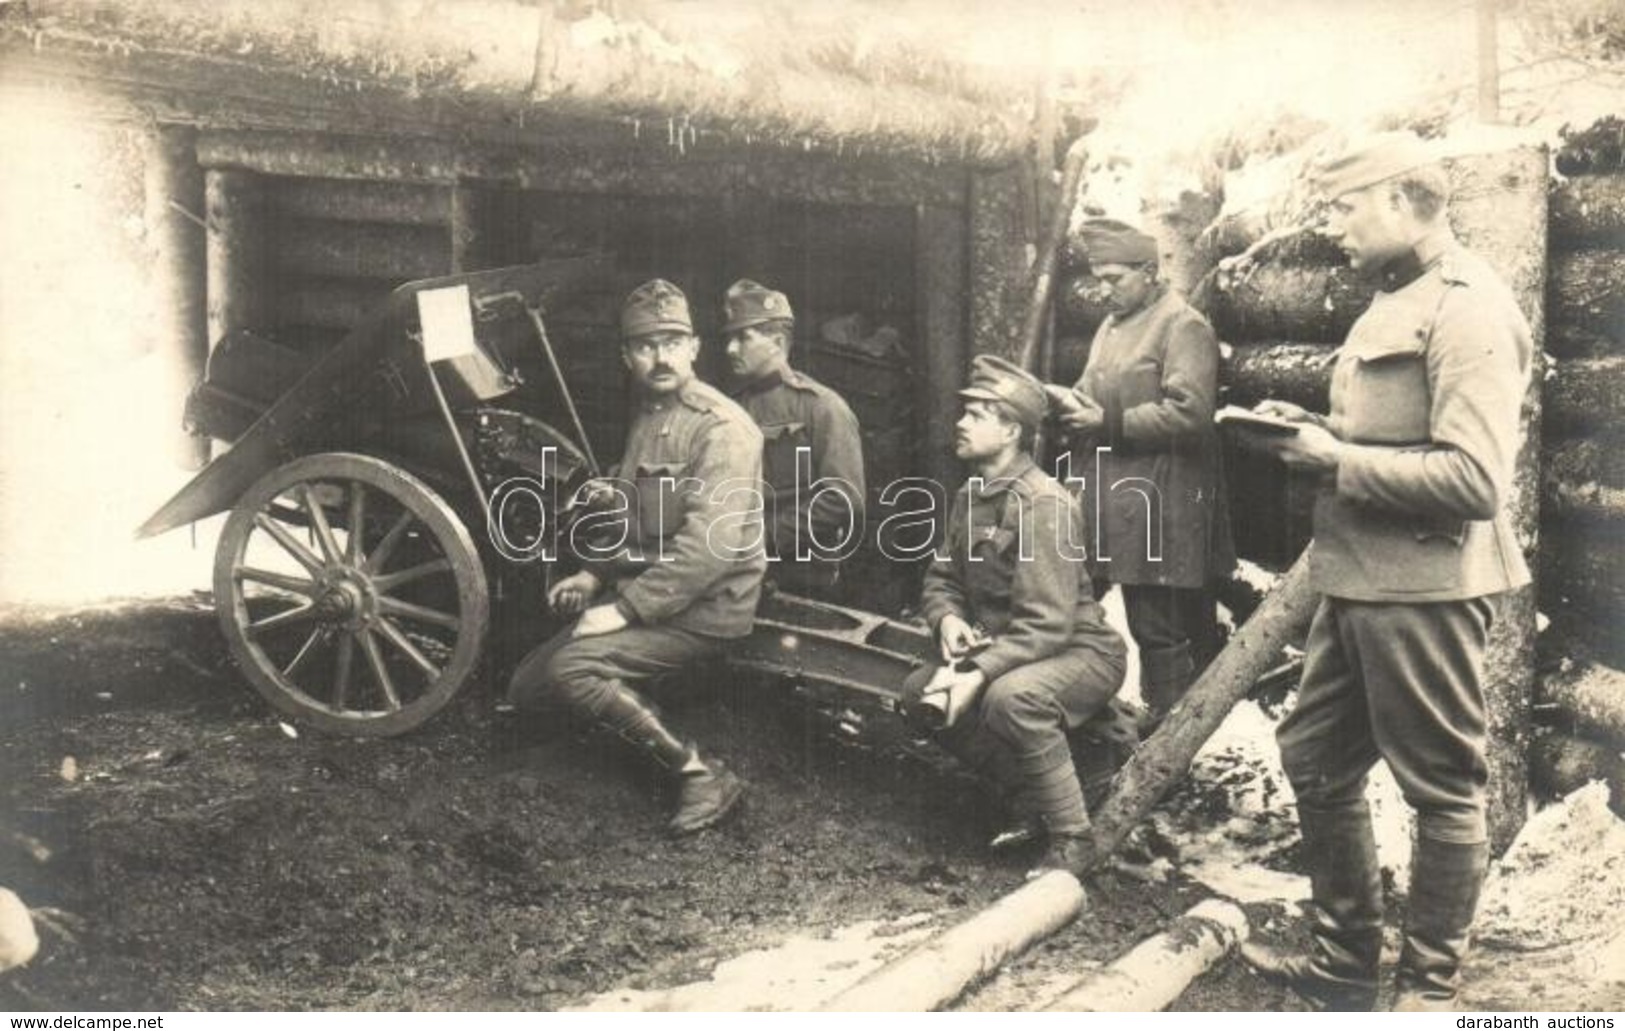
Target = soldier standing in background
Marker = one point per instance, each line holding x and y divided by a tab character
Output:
1412	549
812	459
1148	393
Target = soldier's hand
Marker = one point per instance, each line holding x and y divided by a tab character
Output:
1059	396
572	594
1284	410
956	638
1312	447
595	493
1087	417
600	619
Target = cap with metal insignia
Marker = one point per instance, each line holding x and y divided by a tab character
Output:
749	303
655	307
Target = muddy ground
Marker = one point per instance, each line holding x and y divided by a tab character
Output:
192	852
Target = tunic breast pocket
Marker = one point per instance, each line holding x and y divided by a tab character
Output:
1389	401
779	444
660	499
992	566
1140	383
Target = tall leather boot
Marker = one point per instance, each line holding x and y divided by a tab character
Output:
1446	879
1165	675
990	759
707	791
1339	972
1051	790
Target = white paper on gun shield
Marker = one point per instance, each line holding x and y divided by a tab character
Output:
448	323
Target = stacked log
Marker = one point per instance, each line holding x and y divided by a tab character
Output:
1583	482
1583	705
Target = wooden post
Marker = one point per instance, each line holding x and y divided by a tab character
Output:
174	216
938	972
998	266
1157	971
1489	65
1499	210
1164	757
236	252
940	273
466	228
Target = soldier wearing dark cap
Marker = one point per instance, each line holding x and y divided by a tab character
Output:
1412	551
685	573
1148	393
1026	651
812	459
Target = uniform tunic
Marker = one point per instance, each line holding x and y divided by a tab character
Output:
685	558
795	411
1010	564
1412	543
692	474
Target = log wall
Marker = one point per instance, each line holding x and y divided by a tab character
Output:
1583	482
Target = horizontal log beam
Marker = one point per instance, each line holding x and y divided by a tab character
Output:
633	172
360	251
1566	340
1560	764
1582	566
1589	699
1300	373
1587	291
1585	394
1279	301
330	303
351	200
1584	478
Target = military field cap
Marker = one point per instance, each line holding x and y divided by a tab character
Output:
1107	241
749	303
1370	161
995	379
655	307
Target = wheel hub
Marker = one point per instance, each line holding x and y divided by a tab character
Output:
345	599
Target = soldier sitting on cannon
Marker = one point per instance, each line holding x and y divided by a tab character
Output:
1026	654
685	571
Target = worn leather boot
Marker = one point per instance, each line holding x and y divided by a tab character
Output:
1165	675
708	794
1339	971
1051	789
1446	879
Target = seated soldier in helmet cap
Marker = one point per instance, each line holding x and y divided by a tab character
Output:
685	573
1026	652
812	462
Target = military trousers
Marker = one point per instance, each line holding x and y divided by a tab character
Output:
1024	715
578	674
1401	682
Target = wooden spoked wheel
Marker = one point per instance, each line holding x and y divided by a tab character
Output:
351	594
